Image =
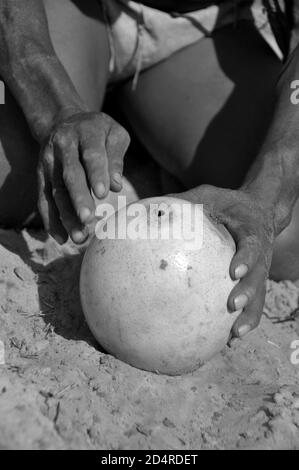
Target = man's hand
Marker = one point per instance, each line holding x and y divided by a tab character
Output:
84	152
252	228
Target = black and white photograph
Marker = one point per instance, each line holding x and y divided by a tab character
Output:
149	228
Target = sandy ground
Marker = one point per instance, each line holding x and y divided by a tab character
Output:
58	390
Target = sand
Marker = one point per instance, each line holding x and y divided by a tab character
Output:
58	390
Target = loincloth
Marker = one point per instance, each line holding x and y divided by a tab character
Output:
141	36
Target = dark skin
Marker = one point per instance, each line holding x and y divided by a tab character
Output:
261	208
60	122
83	150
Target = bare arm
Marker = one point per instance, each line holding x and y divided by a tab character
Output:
30	67
274	177
262	207
80	150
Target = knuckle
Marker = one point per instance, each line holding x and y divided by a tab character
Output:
119	136
125	136
61	138
85	127
250	294
69	176
92	156
92	122
105	119
47	159
97	168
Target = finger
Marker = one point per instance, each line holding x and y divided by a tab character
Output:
246	290
76	183
250	317
117	145
95	162
74	228
246	256
77	231
251	314
49	211
74	179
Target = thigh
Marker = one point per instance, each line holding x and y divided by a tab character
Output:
80	40
203	113
79	36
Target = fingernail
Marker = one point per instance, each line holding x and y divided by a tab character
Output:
240	271
100	190
240	301
78	236
243	330
84	214
117	178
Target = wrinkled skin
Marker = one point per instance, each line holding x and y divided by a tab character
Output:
252	228
84	152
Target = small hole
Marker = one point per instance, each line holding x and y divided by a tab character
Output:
161	213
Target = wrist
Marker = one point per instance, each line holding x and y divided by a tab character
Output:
273	181
43	128
276	205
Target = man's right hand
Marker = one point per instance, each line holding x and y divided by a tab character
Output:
84	152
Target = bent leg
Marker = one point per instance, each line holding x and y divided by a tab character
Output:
203	114
80	41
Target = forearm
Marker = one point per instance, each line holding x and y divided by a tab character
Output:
274	176
30	67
